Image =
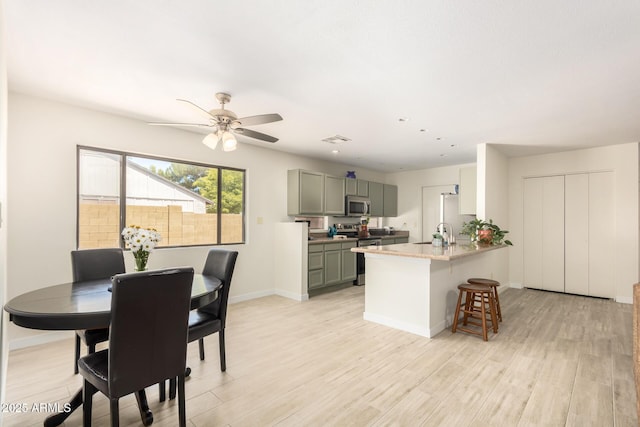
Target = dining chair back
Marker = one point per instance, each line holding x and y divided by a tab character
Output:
212	318
93	264
148	338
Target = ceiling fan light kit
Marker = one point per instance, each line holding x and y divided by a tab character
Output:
224	123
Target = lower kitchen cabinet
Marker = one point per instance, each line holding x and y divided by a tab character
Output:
349	270
331	264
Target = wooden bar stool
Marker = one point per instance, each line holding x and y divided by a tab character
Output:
479	303
494	286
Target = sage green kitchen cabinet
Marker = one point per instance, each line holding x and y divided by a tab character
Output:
401	240
390	200
351	186
332	263
305	192
316	266
349	271
334	192
376	196
363	188
357	187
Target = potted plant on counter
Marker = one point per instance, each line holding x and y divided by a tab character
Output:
483	232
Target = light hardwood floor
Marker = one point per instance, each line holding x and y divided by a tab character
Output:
557	360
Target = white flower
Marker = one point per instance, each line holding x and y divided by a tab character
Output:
137	238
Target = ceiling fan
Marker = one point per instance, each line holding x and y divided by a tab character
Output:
224	123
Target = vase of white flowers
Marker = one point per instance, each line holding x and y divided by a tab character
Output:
141	241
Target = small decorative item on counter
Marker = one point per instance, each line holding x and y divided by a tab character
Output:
363	230
333	231
437	240
351	174
141	241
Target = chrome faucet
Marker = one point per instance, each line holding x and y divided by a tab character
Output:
448	238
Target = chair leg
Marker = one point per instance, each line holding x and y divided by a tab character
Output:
115	412
457	313
182	410
172	388
143	406
162	390
223	357
75	360
88	390
201	348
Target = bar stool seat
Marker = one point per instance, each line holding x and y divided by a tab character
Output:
494	286
479	303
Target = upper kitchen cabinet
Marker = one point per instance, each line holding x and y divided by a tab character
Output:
351	186
305	192
357	187
468	190
334	192
376	195
390	200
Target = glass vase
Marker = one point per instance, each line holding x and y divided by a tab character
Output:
141	261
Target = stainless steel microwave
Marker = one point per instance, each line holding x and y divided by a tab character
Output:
357	206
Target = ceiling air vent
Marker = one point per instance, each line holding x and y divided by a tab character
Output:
337	139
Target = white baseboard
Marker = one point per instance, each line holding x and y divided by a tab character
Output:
292	295
403	326
624	300
43	338
250	296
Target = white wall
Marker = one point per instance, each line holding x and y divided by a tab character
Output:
410	185
493	188
42	141
3	208
623	161
492	202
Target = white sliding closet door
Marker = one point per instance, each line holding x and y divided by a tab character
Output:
543	237
602	229
553	232
576	233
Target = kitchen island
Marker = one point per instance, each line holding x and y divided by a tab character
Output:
413	286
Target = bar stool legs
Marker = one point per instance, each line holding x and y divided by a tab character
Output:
478	298
494	286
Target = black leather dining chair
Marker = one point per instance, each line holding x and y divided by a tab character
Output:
148	339
93	264
211	318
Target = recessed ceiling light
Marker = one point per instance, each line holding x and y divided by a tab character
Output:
335	151
452	145
438	139
424	130
443	155
403	119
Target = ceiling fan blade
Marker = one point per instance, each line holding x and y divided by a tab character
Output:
260	119
256	135
198	108
199	125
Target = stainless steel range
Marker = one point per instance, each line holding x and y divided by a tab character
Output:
366	241
351	230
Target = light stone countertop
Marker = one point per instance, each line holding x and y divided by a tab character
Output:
428	251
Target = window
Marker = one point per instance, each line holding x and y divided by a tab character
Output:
188	203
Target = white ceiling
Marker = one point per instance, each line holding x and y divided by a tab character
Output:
533	75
